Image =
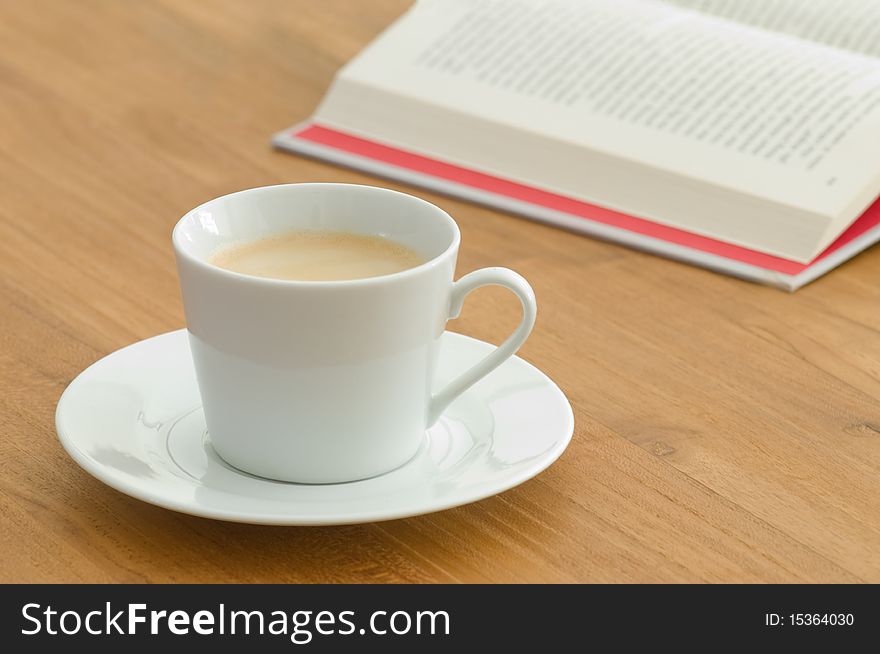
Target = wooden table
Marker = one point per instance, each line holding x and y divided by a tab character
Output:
724	431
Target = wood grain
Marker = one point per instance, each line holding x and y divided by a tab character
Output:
725	431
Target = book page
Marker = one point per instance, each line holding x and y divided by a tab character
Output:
655	71
687	95
849	24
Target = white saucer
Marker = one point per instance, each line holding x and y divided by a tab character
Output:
134	421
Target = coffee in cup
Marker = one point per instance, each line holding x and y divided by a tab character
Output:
317	256
314	315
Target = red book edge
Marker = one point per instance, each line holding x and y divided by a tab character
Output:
335	139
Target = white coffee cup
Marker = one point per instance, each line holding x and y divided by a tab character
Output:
326	381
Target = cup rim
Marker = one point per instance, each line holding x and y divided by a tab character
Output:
181	251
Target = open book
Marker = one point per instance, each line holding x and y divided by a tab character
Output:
741	135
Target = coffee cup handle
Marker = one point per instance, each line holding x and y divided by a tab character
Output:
460	290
